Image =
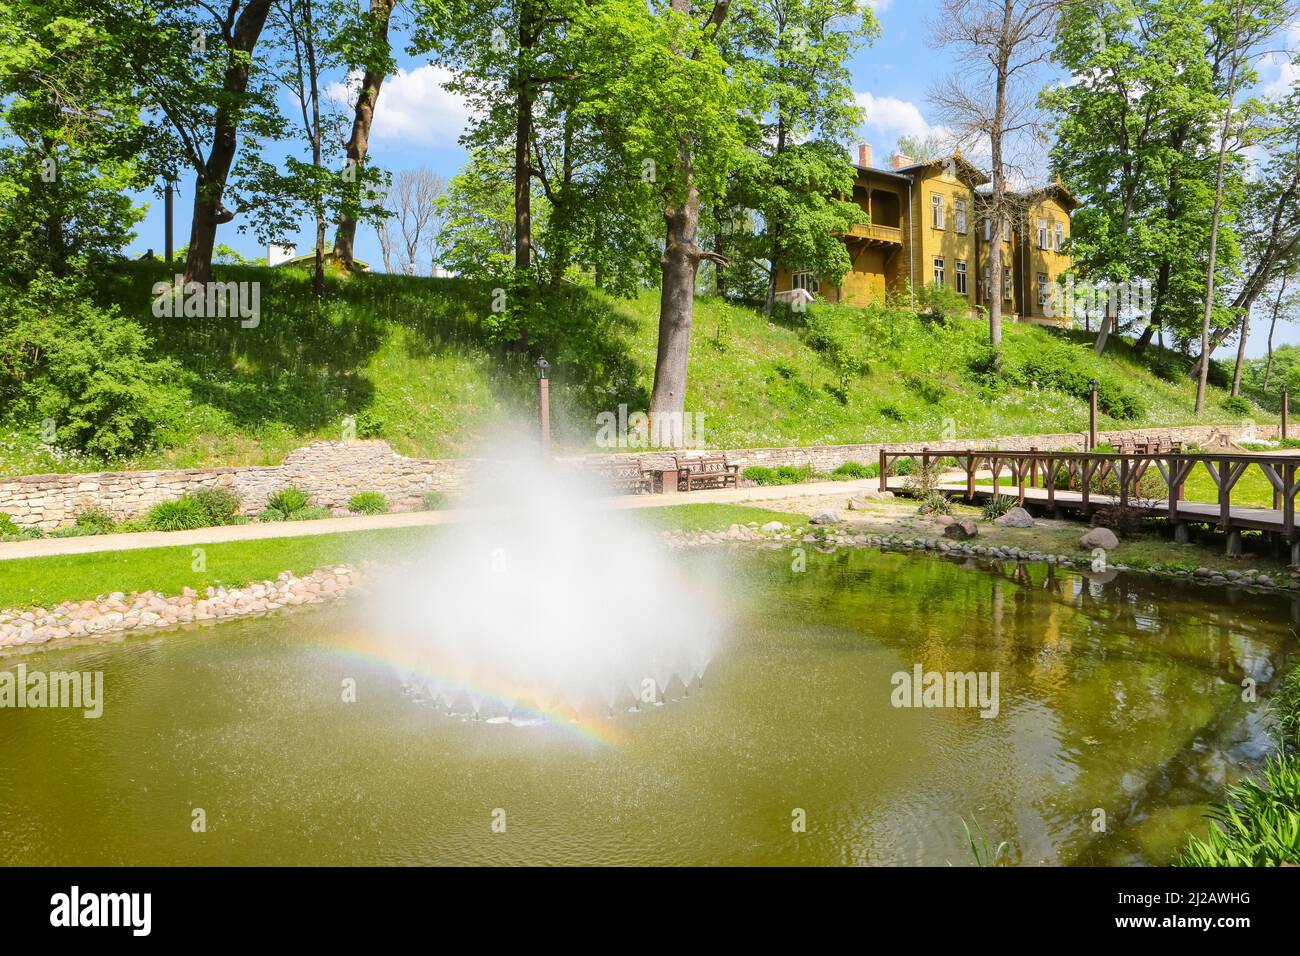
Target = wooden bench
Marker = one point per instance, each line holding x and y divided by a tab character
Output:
625	477
705	471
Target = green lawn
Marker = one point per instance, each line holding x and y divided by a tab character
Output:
1251	490
409	358
48	581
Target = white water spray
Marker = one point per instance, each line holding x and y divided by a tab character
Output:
542	601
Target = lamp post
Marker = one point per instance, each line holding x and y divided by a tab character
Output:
544	403
1092	414
167	216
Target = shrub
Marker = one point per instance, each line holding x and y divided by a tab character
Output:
1257	824
996	506
434	500
220	505
1285	708
903	466
930	391
892	412
182	514
941	303
309	513
86	368
95	521
287	500
271	514
784	475
1236	405
854	469
368	503
935	503
1124	520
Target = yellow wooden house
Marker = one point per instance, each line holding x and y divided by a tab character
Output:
927	225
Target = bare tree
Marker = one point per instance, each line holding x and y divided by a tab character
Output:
415	222
989	101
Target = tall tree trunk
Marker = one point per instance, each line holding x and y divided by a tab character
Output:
210	184
523	139
309	44
1272	326
1241	353
1203	376
358	143
999	181
680	263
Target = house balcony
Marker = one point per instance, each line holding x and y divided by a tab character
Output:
889	235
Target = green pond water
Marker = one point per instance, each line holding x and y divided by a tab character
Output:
1120	696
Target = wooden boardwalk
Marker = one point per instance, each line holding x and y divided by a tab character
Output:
1069	482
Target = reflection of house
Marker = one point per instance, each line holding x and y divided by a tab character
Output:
927	226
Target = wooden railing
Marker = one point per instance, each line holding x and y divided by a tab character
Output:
1024	468
892	234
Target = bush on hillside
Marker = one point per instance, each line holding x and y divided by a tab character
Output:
941	303
181	514
368	503
220	505
854	469
1236	405
86	369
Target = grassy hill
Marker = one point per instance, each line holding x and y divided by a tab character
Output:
409	357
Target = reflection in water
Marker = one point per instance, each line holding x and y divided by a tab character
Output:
1122	696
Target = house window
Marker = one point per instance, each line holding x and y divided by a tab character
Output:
936	209
806	281
959	214
1006	284
1006	230
1060	235
960	277
938	270
1042	289
1042	234
988	228
987	292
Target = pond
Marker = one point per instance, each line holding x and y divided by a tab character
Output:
1119	716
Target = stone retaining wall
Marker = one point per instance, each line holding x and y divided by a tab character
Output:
332	472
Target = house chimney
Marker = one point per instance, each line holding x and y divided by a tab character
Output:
901	159
864	154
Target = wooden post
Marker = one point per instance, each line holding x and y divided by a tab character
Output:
1286	402
1033	468
544	401
884	475
1123	482
925	460
1225	496
970	474
1049	481
1092	414
1020	478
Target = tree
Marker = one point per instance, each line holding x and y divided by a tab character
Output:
72	140
795	175
361	43
1132	137
990	98
478	209
416	221
1239	26
922	149
195	67
686	114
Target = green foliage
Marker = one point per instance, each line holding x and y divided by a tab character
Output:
309	513
95	521
784	475
180	514
1285	709
368	503
854	469
86	370
1257	824
995	506
1069	369
434	501
220	505
981	851
287	500
1236	405
941	303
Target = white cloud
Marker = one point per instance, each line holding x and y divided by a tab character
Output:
1285	65
413	106
891	118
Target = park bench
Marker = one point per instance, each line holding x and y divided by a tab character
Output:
705	471
624	477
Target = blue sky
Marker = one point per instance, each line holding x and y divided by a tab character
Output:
417	123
